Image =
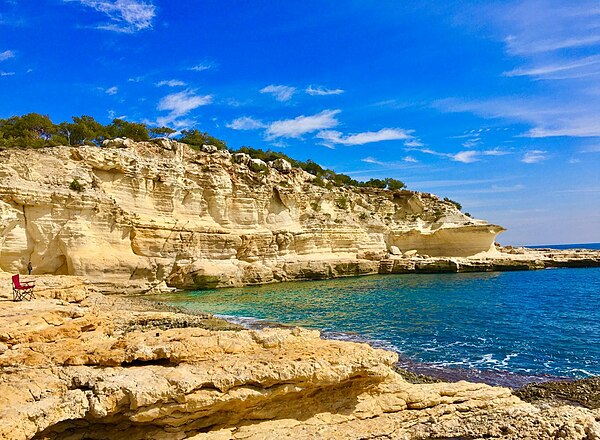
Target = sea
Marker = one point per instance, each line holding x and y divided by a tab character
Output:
500	328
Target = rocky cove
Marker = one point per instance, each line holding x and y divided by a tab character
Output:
156	216
81	365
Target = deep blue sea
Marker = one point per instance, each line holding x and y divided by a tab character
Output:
595	246
506	328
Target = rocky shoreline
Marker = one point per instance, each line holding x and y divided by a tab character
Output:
80	365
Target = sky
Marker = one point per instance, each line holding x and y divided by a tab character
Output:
493	104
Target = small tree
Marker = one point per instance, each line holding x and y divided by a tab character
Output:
157	132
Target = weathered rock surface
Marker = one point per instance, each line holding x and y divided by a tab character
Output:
107	368
154	215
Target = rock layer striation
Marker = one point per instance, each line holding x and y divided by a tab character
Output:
153	215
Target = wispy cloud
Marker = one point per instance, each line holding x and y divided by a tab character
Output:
180	104
280	93
295	128
322	91
126	16
548	116
493	189
7	54
204	65
2	73
456	183
534	27
112	90
246	123
563	69
472	142
534	156
367	137
467	156
551	41
170	83
591	149
371	159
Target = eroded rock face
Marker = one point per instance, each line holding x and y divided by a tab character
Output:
150	215
107	368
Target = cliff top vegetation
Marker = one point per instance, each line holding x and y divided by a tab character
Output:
34	130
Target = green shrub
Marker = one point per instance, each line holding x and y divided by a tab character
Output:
458	205
76	186
342	202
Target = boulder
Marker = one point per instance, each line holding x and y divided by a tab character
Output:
395	251
282	165
209	149
257	165
242	158
119	142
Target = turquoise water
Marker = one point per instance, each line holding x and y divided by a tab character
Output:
506	327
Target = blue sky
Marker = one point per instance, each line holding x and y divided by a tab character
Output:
493	104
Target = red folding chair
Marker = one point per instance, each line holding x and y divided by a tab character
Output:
22	289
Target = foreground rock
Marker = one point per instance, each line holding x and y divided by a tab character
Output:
148	216
111	368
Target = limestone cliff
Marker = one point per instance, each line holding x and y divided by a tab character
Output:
148	215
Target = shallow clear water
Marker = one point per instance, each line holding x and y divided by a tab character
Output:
533	324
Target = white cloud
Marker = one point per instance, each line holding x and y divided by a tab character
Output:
465	156
112	90
295	128
2	73
180	104
246	123
413	143
7	54
170	83
322	91
410	159
367	137
281	93
534	156
136	79
201	67
125	16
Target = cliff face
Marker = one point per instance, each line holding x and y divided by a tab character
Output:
158	214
